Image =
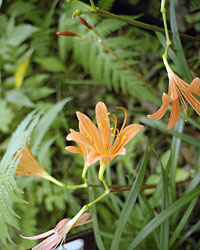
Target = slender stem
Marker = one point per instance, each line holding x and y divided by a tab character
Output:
147	85
52	179
84	209
139	24
96	10
84	173
92	4
168	41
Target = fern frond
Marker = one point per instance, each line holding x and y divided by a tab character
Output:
107	26
102	65
9	191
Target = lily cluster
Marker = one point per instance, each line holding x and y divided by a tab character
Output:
179	90
102	142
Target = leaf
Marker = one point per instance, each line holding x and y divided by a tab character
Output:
18	97
95	223
20	33
160	218
46	122
128	206
6	116
9	191
51	64
20	72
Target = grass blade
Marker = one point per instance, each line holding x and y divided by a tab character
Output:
129	203
153	224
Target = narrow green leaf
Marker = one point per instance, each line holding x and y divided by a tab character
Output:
162	127
153	224
98	237
177	43
46	122
129	203
164	228
181	224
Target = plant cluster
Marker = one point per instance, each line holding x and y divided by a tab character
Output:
59	57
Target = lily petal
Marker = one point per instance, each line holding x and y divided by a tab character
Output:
93	157
90	129
162	110
39	236
103	124
125	136
194	86
80	138
73	149
175	113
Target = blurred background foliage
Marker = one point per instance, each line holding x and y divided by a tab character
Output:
59	75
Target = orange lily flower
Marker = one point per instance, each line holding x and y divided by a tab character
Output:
178	90
28	165
103	145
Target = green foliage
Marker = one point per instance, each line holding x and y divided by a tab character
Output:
8	189
79	73
6	116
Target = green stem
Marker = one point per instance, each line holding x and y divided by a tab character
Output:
84	173
85	208
138	76
168	41
52	179
96	10
139	24
92	4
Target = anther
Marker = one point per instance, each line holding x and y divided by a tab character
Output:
100	125
106	119
124	136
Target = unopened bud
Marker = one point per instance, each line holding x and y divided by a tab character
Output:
85	23
67	33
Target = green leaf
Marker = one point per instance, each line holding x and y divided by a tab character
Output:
46	122
164	228
18	97
9	191
20	33
51	64
6	116
160	218
130	202
95	223
177	43
181	224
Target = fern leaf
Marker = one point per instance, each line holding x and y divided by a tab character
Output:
9	192
107	26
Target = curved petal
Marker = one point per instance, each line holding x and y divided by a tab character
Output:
93	157
173	93
162	110
103	125
194	86
175	114
83	219
124	137
73	149
80	138
39	236
193	101
49	243
90	129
